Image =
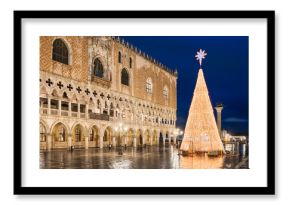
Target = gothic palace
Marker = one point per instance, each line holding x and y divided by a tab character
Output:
102	91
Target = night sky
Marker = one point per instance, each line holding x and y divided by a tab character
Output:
225	69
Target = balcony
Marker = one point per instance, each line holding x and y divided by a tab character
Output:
101	82
97	116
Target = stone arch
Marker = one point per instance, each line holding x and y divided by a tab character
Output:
43	91
130	137
108	136
125	77
59	135
171	137
68	45
94	136
155	137
42	132
139	135
167	136
147	137
55	93
45	125
161	137
98	67
78	133
74	98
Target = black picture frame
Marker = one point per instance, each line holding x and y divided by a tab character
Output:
268	190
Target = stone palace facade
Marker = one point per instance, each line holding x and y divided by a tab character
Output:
102	91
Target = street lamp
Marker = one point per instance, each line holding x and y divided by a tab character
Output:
178	132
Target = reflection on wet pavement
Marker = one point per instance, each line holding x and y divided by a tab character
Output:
150	157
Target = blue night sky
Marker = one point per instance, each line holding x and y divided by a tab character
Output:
225	70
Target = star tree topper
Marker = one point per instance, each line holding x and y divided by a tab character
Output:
200	55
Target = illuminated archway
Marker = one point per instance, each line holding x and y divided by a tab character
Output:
155	137
59	136
147	137
78	136
94	137
130	137
108	137
139	137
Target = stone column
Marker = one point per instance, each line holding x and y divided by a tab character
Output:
86	141
48	106
219	109
49	141
79	112
69	140
101	142
134	141
87	111
59	107
114	141
174	139
69	109
151	140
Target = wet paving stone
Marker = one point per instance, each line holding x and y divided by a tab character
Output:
150	157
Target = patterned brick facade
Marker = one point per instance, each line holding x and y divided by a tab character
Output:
103	104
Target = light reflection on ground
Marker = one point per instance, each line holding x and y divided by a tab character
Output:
150	157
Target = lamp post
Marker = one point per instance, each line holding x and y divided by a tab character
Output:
178	132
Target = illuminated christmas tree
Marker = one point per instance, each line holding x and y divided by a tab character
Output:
201	133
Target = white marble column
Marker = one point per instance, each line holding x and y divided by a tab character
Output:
79	111
86	141
87	111
59	107
49	141
69	109
134	141
101	141
48	106
69	140
114	141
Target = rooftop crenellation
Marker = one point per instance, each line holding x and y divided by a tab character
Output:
143	54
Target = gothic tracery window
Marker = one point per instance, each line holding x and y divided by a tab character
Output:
98	68
130	62
119	57
60	51
125	77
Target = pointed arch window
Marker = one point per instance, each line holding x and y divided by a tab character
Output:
60	51
130	62
119	57
125	77
149	86
98	68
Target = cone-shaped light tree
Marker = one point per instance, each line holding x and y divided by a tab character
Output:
201	132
